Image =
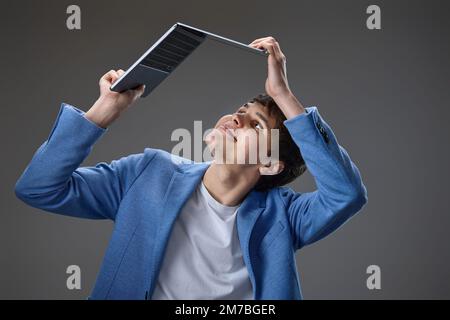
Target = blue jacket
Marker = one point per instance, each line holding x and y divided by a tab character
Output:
143	194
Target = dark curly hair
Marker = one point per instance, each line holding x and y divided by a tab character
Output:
289	153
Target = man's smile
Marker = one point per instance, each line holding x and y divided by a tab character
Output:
228	130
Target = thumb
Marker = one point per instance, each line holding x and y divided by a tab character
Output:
139	91
134	94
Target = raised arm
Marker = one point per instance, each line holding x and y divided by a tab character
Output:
54	182
340	191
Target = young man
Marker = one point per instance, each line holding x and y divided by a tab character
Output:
210	230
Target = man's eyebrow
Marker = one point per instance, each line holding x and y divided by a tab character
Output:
261	116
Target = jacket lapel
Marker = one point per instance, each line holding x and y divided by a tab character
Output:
181	187
247	215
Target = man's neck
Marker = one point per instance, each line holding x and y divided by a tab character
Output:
229	184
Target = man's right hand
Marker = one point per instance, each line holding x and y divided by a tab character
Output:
110	104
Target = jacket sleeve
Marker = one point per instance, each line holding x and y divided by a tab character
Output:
53	180
340	191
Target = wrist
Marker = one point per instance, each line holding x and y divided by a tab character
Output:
102	113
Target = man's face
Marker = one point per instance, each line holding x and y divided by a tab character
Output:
238	138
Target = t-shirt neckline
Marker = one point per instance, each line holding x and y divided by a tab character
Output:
216	205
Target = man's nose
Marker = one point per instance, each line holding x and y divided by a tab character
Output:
238	120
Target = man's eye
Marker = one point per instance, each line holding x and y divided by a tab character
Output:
258	126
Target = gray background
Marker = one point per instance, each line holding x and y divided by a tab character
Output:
385	93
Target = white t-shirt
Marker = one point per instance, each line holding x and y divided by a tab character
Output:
203	259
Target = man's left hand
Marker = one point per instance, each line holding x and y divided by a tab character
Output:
276	83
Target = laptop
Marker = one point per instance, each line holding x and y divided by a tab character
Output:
166	54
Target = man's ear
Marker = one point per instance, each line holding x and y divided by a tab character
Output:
271	169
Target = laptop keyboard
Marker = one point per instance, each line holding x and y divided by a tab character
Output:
173	50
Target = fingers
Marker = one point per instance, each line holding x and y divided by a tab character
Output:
271	45
257	43
257	40
265	39
111	76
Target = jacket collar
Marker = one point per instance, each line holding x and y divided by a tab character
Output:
183	183
247	215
